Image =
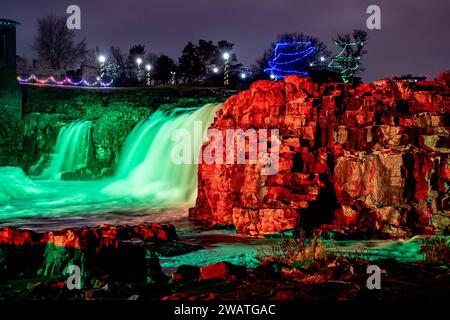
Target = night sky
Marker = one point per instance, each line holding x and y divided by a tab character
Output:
414	35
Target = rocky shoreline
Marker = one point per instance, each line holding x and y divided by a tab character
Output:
122	262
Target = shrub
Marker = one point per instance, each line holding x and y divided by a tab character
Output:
294	251
436	250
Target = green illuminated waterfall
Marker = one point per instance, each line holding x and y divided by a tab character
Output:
147	181
147	170
72	150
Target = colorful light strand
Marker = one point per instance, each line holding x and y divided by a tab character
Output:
65	82
353	62
276	68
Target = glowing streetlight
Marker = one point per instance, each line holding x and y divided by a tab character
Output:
102	60
139	62
243	76
226	69
272	76
216	70
322	59
148	75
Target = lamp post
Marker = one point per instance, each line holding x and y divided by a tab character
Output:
139	62
173	73
148	75
102	60
226	69
322	60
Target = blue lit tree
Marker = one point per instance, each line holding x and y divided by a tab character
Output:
290	58
292	53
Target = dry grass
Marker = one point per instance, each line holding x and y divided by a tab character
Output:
436	250
294	251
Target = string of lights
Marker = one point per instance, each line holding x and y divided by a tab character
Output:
65	82
351	63
287	63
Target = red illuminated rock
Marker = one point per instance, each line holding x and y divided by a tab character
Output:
371	158
222	270
89	237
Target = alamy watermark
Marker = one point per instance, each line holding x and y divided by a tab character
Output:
74	20
374	20
237	146
374	281
74	279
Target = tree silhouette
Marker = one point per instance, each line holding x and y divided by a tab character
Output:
190	65
56	43
164	65
196	60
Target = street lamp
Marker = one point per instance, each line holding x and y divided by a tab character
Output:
148	67
139	62
243	76
173	73
322	59
226	70
216	70
102	60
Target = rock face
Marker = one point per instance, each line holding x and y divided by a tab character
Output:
371	159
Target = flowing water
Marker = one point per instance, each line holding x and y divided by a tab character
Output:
147	182
148	187
72	150
147	169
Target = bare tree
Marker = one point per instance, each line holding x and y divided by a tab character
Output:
348	61
56	44
119	58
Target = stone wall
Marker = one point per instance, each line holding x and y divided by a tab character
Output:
368	160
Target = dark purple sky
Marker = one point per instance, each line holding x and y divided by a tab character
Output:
414	37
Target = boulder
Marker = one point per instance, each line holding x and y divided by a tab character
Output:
222	271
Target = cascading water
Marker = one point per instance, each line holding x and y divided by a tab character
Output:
148	185
72	150
147	171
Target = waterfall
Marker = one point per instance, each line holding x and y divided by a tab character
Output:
146	170
72	150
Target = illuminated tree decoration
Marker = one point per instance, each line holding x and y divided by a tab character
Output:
290	58
348	65
348	61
